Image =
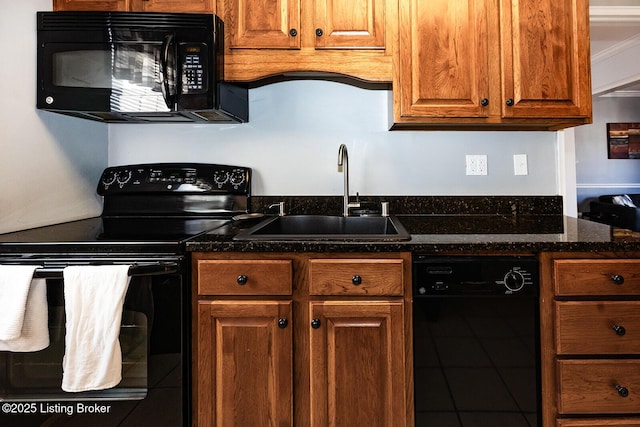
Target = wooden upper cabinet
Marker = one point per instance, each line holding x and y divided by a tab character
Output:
97	5
269	38
193	6
349	24
444	58
492	63
545	62
256	24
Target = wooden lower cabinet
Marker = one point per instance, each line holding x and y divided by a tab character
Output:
589	335
357	349
303	340
244	363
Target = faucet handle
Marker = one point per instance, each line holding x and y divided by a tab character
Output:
385	209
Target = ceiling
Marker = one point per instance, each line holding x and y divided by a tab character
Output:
615	40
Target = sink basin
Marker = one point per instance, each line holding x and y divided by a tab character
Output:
327	227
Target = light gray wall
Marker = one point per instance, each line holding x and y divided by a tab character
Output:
294	132
596	174
49	164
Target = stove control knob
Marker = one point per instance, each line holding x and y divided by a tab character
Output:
237	177
124	176
108	178
514	281
220	177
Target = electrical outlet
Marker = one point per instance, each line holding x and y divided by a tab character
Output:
520	164
476	164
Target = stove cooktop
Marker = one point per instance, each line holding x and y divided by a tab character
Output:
111	235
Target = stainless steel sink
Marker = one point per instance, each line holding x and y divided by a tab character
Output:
327	227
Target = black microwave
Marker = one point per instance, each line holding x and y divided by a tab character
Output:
136	67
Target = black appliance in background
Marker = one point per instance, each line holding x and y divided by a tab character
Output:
476	341
136	67
150	211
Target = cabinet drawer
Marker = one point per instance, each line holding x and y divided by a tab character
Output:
597	277
599	422
597	386
356	277
598	327
244	277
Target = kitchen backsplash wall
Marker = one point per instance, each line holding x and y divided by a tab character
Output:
49	164
296	127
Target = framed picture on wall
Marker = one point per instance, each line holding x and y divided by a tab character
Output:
623	140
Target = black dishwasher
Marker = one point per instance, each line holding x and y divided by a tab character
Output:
476	341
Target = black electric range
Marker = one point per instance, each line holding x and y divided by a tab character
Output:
150	211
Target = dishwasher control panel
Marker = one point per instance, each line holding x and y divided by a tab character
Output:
435	276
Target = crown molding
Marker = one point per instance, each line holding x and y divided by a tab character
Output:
614	14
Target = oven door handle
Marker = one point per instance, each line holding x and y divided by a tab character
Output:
155	269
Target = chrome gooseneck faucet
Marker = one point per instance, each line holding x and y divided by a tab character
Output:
343	160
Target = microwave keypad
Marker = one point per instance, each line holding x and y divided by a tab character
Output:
193	74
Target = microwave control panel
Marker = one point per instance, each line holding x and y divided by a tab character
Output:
194	67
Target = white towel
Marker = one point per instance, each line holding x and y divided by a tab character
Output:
94	297
23	310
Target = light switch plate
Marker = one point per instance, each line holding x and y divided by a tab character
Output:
520	164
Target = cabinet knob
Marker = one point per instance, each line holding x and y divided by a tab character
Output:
293	32
242	279
282	323
315	323
619	330
618	279
484	102
622	391
510	102
356	280
319	32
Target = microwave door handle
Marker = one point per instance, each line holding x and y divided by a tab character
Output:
169	98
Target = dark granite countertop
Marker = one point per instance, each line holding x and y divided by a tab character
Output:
462	224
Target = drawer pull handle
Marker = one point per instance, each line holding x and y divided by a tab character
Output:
619	330
242	279
622	391
282	323
315	323
356	280
617	279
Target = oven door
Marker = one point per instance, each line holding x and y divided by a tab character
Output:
153	341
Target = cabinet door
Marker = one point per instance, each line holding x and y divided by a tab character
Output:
98	5
444	58
357	364
350	24
261	23
196	6
244	372
545	62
